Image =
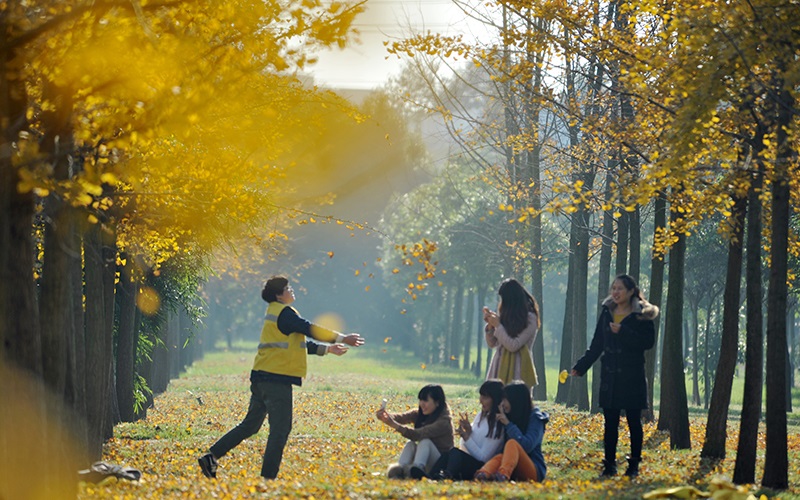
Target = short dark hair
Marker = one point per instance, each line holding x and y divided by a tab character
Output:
274	287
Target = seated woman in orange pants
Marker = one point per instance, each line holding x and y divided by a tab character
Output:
522	458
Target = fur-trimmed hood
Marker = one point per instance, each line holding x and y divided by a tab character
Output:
638	306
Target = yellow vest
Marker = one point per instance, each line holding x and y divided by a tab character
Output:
279	353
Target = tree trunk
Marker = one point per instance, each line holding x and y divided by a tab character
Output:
656	293
603	279
635	232
479	331
457	327
579	394
674	410
567	332
776	461
109	286
717	424
55	308
126	341
446	335
20	339
98	343
468	329
623	225
695	307
75	390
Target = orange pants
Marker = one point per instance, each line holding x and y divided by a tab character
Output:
513	463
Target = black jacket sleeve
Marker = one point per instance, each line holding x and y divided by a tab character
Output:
596	347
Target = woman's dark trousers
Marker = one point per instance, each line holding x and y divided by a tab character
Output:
611	433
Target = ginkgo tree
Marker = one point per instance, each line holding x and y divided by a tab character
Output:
678	105
147	130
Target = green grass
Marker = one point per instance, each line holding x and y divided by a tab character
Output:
339	450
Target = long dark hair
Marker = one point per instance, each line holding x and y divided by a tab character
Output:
515	305
518	395
436	393
493	388
630	284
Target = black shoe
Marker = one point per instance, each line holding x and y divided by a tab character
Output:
609	469
633	467
208	464
416	472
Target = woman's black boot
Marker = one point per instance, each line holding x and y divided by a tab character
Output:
633	466
609	468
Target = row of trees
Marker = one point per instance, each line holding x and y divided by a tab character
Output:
137	138
586	116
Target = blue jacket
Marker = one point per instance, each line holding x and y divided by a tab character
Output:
531	441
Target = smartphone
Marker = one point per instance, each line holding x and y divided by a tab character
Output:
383	404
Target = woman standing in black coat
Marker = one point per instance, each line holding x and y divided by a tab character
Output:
625	329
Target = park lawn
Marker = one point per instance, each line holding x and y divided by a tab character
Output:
339	450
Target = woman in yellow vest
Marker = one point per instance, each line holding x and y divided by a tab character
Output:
511	331
280	363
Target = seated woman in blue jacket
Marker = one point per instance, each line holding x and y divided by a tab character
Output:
522	458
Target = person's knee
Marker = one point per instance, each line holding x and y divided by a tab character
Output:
425	444
512	443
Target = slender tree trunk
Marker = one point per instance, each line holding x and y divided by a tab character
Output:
479	331
98	343
173	344
127	290
695	358
75	391
656	293
567	333
109	286
468	329
674	415
776	461
603	279
623	226
636	245
457	326
446	336
533	109
717	424
579	394
54	290
706	342
744	471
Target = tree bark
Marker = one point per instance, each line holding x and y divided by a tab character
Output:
55	308
98	343
20	339
776	461
695	307
127	290
457	325
744	471
674	410
567	332
468	329
717	424
656	293
479	331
